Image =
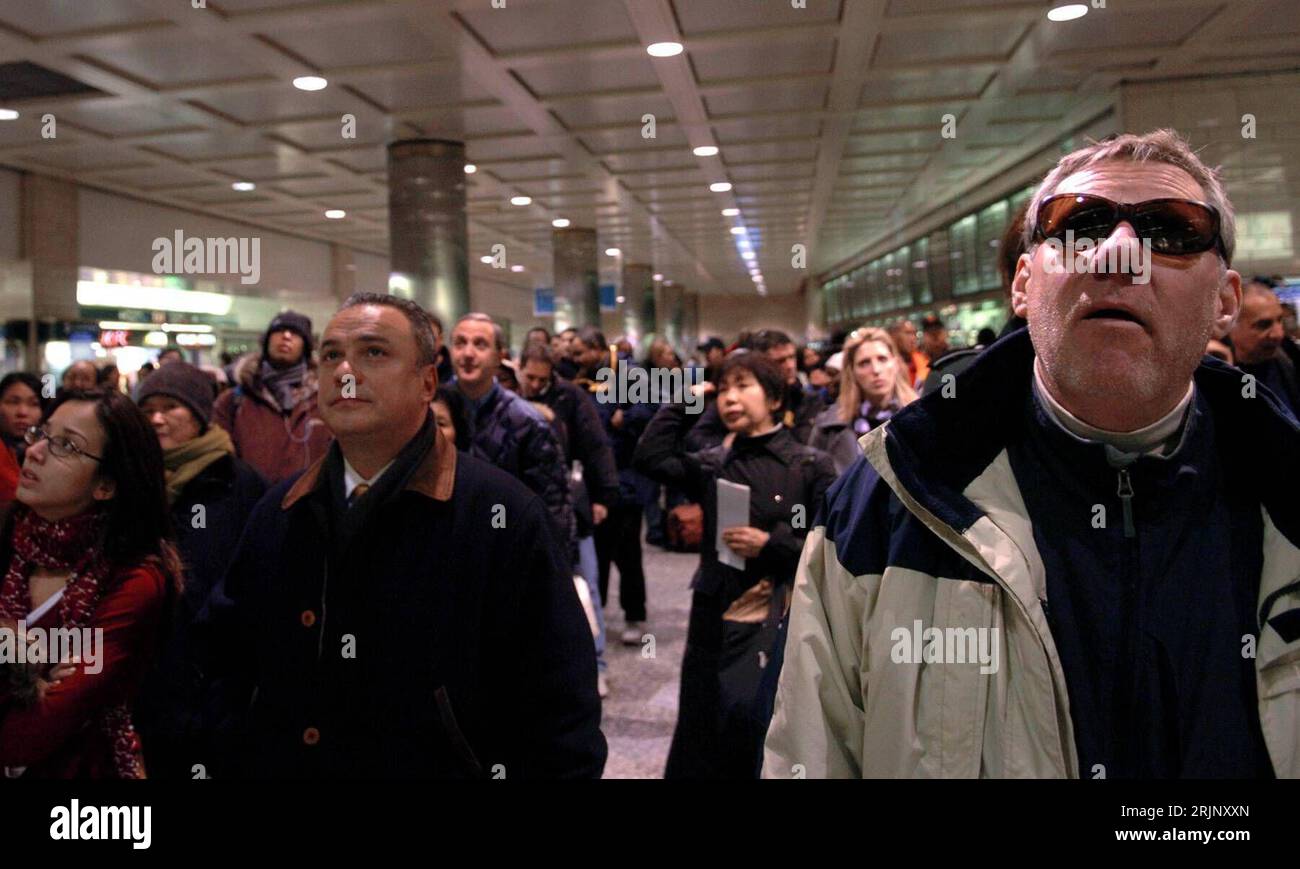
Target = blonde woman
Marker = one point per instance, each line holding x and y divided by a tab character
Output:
873	387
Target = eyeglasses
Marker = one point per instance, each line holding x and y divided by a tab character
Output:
60	446
1175	227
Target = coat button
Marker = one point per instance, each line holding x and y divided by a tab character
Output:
308	618
310	736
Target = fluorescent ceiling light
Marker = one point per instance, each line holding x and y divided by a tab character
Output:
310	83
720	186
658	276
706	151
243	186
664	49
106	295
516	268
612	251
8	115
486	260
521	200
730	212
738	230
560	223
470	168
1068	12
336	214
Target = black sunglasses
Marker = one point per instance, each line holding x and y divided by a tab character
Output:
1175	227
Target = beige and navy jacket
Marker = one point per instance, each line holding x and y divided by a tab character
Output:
931	530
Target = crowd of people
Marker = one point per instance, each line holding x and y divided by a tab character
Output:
386	550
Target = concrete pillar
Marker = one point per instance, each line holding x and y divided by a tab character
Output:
427	225
577	277
343	272
638	300
671	312
50	241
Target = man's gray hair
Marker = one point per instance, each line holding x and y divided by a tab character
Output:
479	317
422	322
1158	146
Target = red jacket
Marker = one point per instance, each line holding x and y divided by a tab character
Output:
276	446
51	738
8	476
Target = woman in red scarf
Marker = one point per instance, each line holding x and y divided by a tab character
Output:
87	546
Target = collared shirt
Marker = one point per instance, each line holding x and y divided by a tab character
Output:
352	479
1156	438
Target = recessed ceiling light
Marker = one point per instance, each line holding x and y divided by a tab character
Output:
470	168
310	83
521	200
747	254
516	268
738	230
243	186
486	260
1068	12
664	49
720	186
560	222
8	115
336	214
612	251
758	279
658	277
622	299
730	212
706	151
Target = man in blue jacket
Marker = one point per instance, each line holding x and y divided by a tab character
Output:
400	609
1080	560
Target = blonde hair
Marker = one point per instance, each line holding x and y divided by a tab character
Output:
851	393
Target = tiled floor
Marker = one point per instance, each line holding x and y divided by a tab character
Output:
641	708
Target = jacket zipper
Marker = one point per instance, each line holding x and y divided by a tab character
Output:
1126	500
1123	749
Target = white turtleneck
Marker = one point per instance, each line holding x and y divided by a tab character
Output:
1155	438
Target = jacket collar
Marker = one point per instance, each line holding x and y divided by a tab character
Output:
938	445
434	478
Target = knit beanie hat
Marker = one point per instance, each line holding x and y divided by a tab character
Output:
185	383
300	324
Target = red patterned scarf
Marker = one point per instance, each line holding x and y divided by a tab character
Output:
76	545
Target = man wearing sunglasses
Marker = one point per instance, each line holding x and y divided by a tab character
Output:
1081	563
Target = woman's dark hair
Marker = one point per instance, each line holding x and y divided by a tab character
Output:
31	381
450	396
139	522
765	371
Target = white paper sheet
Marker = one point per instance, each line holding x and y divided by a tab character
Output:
733	510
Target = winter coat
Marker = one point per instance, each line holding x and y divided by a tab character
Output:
53	739
166	713
833	435
585	441
436	634
511	434
276	444
1116	602
733	640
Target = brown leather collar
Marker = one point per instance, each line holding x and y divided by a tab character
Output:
434	478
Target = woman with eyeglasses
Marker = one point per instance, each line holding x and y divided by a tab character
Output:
874	386
87	546
211	493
